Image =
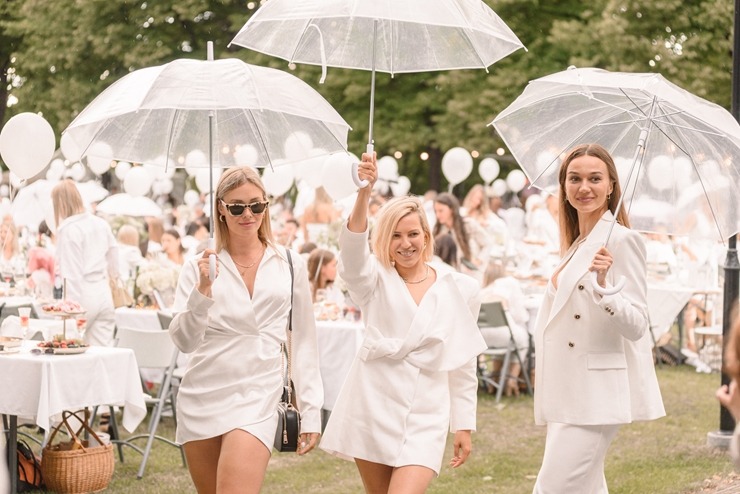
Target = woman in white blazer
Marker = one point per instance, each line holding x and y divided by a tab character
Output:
414	378
233	327
594	363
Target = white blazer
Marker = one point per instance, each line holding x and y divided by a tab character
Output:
594	361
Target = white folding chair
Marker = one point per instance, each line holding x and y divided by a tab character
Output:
153	349
493	315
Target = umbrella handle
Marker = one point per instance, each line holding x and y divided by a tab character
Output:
212	260
608	290
355	177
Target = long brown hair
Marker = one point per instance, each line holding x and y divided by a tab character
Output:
317	260
230	180
458	224
568	216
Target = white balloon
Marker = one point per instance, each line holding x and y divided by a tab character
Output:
457	163
660	172
298	146
76	172
15	181
27	143
401	187
99	158
516	180
137	181
387	168
336	176
203	179
191	197
488	169
278	181
166	185
69	148
56	170
194	160
309	169
499	187
122	168
246	155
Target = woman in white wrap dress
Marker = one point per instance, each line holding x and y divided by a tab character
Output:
414	378
233	327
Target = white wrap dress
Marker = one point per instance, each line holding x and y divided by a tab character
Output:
414	378
233	378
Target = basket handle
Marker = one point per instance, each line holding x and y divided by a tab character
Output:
66	414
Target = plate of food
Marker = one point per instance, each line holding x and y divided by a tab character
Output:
10	344
61	346
63	308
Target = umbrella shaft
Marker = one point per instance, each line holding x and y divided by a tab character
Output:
372	84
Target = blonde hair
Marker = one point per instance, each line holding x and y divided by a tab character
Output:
67	200
568	215
482	208
390	214
230	180
128	235
12	236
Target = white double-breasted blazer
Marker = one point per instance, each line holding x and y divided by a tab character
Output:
594	362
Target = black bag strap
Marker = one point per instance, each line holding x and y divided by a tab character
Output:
290	314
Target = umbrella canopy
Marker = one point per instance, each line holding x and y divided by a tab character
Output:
393	36
32	203
127	205
412	35
669	145
160	116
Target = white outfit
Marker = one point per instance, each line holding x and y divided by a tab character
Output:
87	253
129	258
574	459
414	377
594	362
233	379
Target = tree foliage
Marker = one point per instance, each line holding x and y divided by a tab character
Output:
66	52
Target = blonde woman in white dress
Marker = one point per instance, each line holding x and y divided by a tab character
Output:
234	326
413	381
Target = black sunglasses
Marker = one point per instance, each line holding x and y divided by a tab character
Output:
238	209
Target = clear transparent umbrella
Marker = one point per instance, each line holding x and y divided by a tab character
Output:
393	36
669	145
208	113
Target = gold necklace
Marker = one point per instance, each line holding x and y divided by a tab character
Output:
250	265
426	275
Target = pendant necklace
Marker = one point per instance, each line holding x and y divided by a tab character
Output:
426	275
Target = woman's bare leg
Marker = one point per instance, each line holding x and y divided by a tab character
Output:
202	459
412	479
376	477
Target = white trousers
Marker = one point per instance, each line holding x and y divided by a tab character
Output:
573	462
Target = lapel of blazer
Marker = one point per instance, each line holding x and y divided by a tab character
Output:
579	262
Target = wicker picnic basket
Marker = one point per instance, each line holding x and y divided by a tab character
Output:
73	466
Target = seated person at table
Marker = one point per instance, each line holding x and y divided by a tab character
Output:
322	271
507	290
129	252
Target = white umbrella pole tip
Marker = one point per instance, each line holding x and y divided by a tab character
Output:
209	50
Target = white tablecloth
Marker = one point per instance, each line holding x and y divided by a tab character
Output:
338	343
40	387
127	317
665	301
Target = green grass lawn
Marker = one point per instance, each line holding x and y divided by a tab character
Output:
667	456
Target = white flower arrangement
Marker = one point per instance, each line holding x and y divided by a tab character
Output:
158	276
